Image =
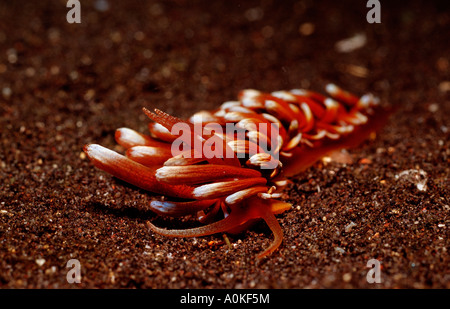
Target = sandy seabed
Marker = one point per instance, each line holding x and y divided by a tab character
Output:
66	85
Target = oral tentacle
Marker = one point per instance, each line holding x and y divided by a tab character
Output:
275	227
228	223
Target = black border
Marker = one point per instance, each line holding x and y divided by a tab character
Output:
351	298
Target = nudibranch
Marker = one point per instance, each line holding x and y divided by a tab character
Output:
227	167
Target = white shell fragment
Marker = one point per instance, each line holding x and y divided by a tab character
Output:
417	177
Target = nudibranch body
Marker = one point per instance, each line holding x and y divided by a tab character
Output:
228	166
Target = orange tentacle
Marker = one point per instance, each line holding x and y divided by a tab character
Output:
275	227
223	225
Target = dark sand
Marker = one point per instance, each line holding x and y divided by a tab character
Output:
65	85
